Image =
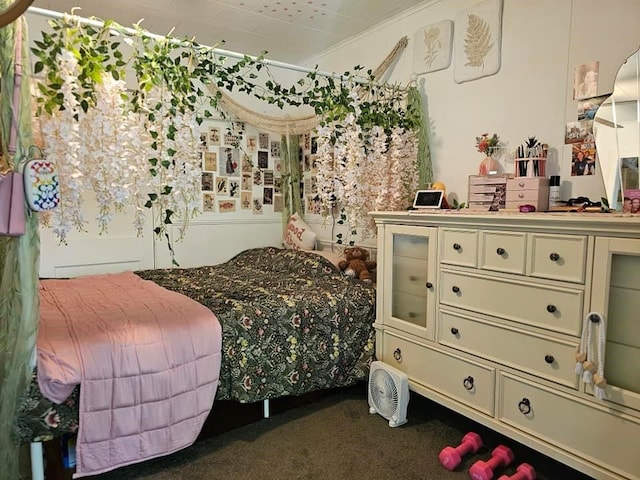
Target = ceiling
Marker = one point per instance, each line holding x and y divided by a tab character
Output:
289	30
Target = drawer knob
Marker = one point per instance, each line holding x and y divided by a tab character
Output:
549	359
554	257
429	285
524	406
397	354
455	289
500	251
521	184
521	195
551	308
454	331
595	317
468	383
456	246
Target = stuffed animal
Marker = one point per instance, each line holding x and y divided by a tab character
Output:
357	264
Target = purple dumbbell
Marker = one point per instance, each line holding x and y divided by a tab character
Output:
500	457
451	457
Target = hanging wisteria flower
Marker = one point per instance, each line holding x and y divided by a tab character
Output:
111	157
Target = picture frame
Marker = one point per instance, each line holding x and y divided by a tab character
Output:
477	41
432	47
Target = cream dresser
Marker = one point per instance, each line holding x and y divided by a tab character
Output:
484	312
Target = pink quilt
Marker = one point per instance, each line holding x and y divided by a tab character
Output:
147	360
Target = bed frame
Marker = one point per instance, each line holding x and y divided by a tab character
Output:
225	416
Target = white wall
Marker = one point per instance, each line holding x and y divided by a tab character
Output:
532	94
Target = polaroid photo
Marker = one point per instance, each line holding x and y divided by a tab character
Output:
257	178
257	206
229	161
208	202
226	206
252	143
267	177
267	196
247	181
263	160
234	188
263	141
207	181
275	148
278	203
214	136
246	199
210	161
222	186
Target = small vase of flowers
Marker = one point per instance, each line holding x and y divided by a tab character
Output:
489	145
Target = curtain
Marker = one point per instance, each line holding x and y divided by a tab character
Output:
291	177
19	256
286	183
294	159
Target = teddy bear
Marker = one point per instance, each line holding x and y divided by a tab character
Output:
357	264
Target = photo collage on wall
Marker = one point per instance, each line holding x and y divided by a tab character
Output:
579	134
241	169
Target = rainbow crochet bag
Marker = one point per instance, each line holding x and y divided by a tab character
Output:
41	186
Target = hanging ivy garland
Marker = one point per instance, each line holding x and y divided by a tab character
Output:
137	142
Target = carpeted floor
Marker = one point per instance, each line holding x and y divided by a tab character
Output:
337	438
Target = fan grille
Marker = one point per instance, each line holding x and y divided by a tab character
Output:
383	393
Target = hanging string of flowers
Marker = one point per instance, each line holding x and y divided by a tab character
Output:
363	168
139	146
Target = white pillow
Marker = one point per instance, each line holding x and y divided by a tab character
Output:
333	257
298	235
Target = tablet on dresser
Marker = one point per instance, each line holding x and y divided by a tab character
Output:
428	199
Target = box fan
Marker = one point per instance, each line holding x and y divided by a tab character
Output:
388	393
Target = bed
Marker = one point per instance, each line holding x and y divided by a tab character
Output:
292	323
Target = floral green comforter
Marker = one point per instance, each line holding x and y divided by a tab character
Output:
291	323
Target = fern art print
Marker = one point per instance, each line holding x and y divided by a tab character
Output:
477	39
477	44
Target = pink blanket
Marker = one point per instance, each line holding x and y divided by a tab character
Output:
147	360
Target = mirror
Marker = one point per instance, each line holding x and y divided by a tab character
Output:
617	133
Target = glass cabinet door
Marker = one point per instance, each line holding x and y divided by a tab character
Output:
409	279
616	295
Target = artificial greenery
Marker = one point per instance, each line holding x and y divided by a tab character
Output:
182	68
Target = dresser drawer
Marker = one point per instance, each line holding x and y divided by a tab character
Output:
527	183
523	196
548	358
467	382
545	306
583	428
559	257
410	275
459	247
503	252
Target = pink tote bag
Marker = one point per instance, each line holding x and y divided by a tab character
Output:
12	204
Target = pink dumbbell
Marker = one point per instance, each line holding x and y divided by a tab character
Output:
500	457
523	472
451	457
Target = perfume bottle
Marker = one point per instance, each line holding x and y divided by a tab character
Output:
554	191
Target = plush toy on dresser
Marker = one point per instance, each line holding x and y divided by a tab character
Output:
357	264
